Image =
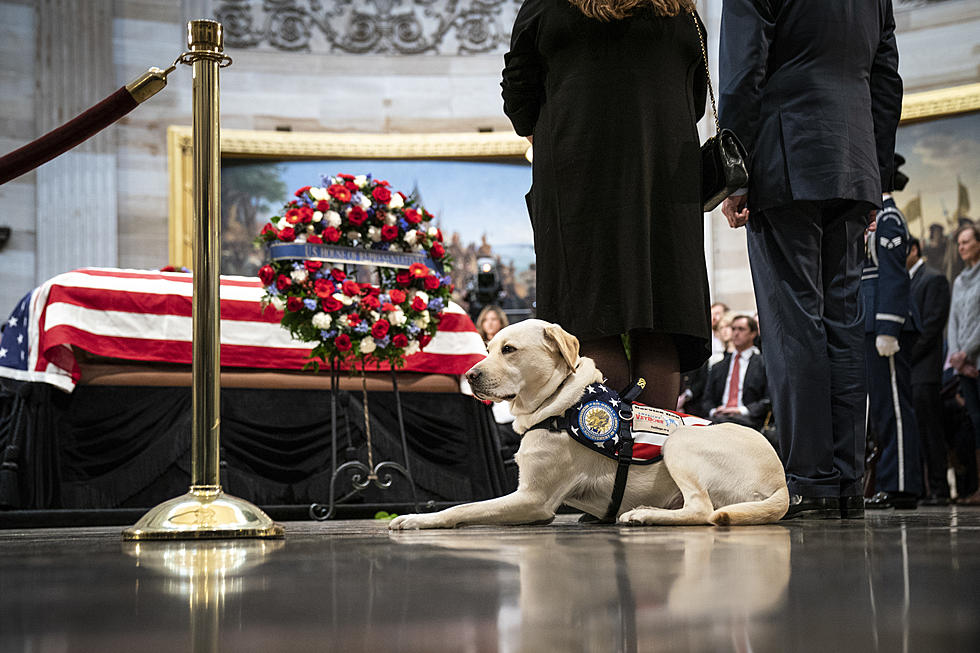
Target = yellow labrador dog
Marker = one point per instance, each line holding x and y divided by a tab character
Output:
723	474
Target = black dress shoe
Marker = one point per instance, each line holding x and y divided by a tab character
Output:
801	507
897	500
934	500
852	507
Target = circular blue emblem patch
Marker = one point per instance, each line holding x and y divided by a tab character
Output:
598	421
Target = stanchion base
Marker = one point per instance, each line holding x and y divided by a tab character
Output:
203	514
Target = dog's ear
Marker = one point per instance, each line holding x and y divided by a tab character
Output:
567	343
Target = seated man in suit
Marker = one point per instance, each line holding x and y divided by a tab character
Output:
736	390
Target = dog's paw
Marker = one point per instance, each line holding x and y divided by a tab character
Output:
415	522
638	516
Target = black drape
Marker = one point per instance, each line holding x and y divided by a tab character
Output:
115	446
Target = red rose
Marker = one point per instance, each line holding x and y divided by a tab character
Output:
331	235
302	190
338	274
380	328
292	216
313	238
294	303
389	232
384	182
387	307
351	288
351	186
379	216
439	235
330	304
287	235
345	177
353	319
339	192
371	302
397	296
413	216
418	304
306	214
313	266
266	274
342	342
357	216
368	289
283	282
381	194
418	270
323	288
399	340
437	251
269	229
424	339
403	278
431	282
323	206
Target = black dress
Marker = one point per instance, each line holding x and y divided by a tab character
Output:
615	200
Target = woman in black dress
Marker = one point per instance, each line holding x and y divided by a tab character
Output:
611	92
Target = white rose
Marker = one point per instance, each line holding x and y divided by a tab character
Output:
368	345
333	219
342	321
318	193
317	216
365	202
278	303
300	238
353	235
374	234
394	248
410	236
397	317
433	232
342	298
310	229
412	348
391	219
360	180
423	295
374	316
321	320
396	201
299	276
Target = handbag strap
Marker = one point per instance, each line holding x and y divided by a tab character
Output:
707	72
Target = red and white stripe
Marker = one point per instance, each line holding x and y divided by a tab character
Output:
146	316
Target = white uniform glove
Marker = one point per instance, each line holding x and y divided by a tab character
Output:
886	345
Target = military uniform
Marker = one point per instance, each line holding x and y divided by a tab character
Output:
889	311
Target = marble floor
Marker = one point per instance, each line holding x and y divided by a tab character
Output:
895	582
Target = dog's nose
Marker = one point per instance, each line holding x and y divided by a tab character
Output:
473	376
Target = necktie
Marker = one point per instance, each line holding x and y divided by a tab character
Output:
733	383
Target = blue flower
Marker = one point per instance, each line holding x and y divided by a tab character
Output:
310	304
384	299
413	330
436	304
404	225
328	335
356	198
447	280
298	266
272	290
383	342
362	327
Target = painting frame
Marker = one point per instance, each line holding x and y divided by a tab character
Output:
297	146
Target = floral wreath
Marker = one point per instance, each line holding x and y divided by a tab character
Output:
323	304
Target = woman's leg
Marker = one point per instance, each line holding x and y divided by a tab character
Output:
610	358
653	356
970	390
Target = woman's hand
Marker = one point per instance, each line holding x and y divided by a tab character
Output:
734	209
957	359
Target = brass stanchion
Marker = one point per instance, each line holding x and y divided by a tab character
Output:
205	511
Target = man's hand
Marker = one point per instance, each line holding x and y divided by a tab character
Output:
872	221
725	410
970	370
886	345
734	209
530	139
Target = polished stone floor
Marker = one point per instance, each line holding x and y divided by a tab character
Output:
895	582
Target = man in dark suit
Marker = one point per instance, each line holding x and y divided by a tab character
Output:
736	390
813	92
930	293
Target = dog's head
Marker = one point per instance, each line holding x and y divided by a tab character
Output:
524	359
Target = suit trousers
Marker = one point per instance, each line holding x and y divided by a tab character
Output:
806	260
929	415
893	418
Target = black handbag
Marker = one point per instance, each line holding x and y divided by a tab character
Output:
723	166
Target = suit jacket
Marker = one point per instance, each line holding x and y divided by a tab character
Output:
931	294
812	90
755	393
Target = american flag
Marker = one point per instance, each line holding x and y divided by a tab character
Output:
141	315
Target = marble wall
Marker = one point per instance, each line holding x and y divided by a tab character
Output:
358	67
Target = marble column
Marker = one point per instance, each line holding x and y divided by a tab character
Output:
76	192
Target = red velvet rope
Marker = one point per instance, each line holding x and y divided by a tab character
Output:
70	134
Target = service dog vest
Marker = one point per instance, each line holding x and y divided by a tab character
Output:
596	421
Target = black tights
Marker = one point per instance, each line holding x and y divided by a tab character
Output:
653	356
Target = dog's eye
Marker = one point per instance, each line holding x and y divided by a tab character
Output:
507	349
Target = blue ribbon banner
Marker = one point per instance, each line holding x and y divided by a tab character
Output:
349	255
